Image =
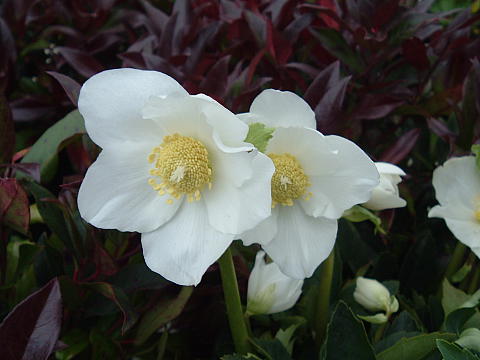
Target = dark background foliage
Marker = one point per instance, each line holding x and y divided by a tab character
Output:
400	78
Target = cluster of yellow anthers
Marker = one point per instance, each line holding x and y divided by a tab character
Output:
181	163
289	181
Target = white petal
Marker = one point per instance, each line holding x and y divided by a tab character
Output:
111	103
263	233
310	148
387	168
461	222
450	187
384	198
183	249
115	193
283	109
233	209
302	242
347	178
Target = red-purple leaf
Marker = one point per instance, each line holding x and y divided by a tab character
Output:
81	61
329	108
31	169
7	137
398	151
31	329
71	87
441	129
327	78
14	206
215	82
415	52
375	106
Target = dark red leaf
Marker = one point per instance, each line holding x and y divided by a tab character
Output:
415	53
82	62
31	329
215	82
398	151
384	12
441	129
327	78
7	137
329	108
375	106
14	206
71	87
157	17
31	169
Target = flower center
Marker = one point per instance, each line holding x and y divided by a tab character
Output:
182	166
289	181
477	215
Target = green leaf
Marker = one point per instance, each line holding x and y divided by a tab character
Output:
453	299
358	213
19	254
457	319
476	152
414	348
240	357
259	135
119	298
271	349
166	310
462	272
286	337
343	325
46	148
454	352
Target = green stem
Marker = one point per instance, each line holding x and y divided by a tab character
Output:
323	299
233	304
456	261
475	282
379	332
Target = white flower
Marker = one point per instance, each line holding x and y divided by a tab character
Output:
316	179
457	189
173	167
269	290
385	195
374	296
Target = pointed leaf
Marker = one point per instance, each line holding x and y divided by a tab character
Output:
71	87
398	151
31	329
343	325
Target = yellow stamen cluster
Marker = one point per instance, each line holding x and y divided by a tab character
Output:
289	181
477	215
182	165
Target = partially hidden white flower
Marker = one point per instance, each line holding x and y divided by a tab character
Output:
374	296
269	290
316	179
173	167
457	189
385	195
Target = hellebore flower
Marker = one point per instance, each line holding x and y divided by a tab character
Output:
316	179
173	167
373	296
385	195
269	290
457	189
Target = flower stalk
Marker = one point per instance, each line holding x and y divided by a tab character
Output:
323	299
456	260
233	304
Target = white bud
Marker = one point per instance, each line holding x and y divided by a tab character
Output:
269	290
385	195
373	296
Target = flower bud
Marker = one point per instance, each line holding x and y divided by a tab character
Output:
269	290
373	296
385	195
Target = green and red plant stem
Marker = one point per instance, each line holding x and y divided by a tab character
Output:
233	304
322	312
